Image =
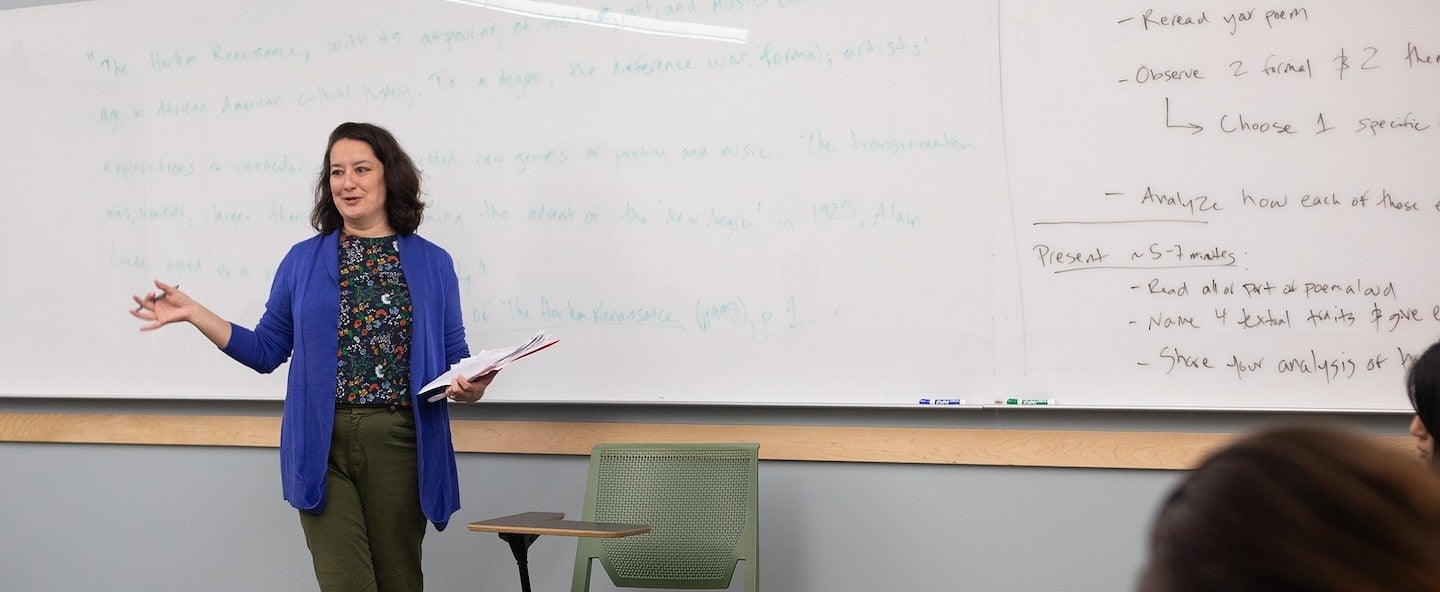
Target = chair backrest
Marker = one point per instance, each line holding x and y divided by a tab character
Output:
701	502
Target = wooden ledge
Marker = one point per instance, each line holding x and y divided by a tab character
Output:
962	446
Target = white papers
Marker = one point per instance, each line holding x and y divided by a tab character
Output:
485	362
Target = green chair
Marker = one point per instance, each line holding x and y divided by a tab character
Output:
700	501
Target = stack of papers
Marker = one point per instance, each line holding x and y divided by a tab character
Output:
485	362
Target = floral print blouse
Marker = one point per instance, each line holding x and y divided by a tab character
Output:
375	323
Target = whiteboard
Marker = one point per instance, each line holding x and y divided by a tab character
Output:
1219	205
754	202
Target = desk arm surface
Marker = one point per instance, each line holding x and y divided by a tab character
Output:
553	523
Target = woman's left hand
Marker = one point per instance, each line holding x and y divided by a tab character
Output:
462	390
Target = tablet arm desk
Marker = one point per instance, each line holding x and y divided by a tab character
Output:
520	530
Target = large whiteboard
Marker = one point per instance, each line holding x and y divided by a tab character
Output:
754	201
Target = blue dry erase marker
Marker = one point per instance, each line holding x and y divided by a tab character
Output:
1024	401
942	401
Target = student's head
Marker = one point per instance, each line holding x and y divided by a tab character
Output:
1299	509
1423	384
398	197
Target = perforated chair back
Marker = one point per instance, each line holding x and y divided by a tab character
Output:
700	501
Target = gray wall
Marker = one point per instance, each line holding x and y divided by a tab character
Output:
78	517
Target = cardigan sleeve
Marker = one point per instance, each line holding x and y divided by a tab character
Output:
456	348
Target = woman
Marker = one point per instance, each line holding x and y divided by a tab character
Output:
1423	384
370	312
1299	509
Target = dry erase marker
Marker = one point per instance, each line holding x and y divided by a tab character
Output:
1025	401
942	401
157	297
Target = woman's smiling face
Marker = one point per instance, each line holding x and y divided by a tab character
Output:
357	185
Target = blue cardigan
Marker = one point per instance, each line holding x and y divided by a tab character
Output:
302	316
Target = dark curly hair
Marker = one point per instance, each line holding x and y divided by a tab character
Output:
1308	509
403	207
1422	383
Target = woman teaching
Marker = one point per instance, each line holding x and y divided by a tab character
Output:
370	311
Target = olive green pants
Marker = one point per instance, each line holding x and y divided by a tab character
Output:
367	539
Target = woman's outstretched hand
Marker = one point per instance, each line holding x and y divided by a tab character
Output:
169	305
162	307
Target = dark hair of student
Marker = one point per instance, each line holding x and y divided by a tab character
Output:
403	207
1299	509
1423	384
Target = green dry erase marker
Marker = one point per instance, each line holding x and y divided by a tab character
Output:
1025	401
